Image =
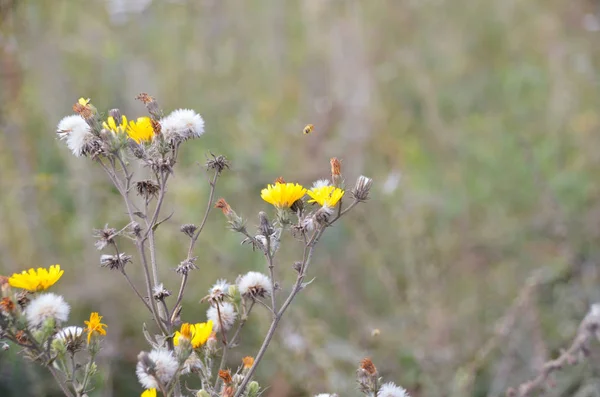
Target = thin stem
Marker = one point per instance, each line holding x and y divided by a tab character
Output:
232	342
223	332
128	279
221	366
162	183
273	312
235	337
60	382
136	290
181	289
195	238
152	249
211	196
271	273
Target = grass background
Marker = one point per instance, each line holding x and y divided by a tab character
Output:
477	120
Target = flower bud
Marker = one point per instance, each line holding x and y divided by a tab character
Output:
253	389
362	188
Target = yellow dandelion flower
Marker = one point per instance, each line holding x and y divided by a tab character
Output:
283	195
149	393
141	130
94	325
36	280
111	125
325	195
197	333
83	101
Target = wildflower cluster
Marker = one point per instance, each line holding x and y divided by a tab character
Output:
177	349
36	321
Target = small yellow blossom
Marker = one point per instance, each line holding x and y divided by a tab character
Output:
110	124
36	280
83	101
94	325
283	195
198	333
149	393
141	130
325	195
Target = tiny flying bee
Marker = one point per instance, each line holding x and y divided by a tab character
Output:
308	129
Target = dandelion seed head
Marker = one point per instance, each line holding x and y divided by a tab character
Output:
218	291
76	132
228	316
320	183
182	124
157	366
391	390
255	284
47	306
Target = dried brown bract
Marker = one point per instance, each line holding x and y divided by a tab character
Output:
105	236
217	163
189	229
147	189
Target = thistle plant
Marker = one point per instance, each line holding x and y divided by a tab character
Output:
140	156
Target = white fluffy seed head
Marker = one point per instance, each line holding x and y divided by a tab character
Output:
255	284
157	366
182	124
391	390
218	291
76	132
46	306
67	333
228	316
321	183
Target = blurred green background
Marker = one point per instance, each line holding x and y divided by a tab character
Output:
478	121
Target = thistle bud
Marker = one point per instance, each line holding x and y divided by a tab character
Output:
362	188
336	171
265	228
151	105
235	221
115	114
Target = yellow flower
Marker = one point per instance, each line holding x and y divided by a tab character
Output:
283	195
83	101
149	393
198	333
94	325
325	195
111	125
140	130
36	280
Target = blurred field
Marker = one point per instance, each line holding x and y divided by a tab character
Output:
478	121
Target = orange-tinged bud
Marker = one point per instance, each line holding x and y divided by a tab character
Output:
248	361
